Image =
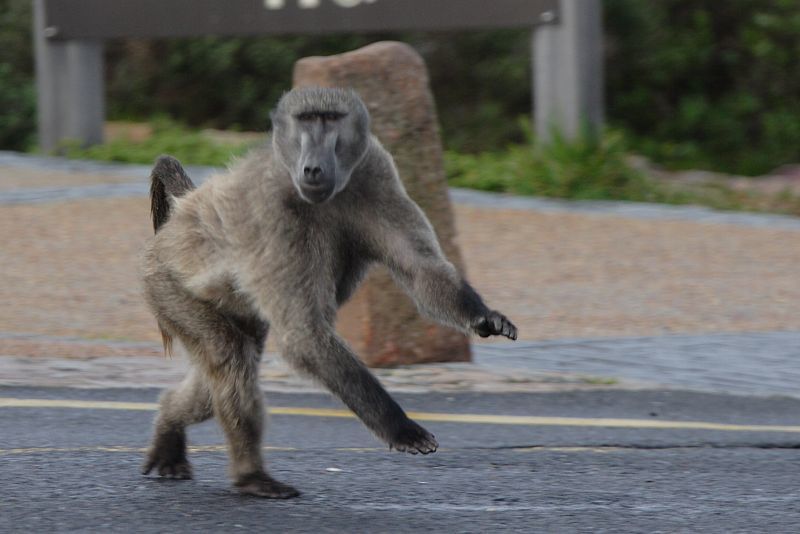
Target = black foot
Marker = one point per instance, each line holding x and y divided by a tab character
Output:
413	439
263	485
168	456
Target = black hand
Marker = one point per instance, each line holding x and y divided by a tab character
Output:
495	324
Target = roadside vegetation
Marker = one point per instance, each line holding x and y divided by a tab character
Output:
583	169
590	168
191	146
587	168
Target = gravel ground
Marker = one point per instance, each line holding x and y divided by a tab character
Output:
69	267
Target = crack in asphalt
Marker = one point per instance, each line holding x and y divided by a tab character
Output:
639	446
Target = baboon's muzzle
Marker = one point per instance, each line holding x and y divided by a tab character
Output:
318	169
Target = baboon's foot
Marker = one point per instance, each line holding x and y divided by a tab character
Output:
412	438
168	456
263	485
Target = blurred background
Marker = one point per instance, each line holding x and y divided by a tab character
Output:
690	84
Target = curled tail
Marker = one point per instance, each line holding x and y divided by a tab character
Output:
168	179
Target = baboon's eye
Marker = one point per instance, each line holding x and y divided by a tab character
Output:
326	116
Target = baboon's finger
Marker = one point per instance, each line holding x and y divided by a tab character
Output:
495	323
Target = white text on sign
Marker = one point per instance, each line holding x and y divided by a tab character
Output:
312	4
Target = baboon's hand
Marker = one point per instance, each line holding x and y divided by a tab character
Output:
494	323
412	438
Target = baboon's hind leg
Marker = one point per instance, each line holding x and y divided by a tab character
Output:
226	350
182	406
238	405
230	353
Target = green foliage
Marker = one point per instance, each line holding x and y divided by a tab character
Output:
595	169
482	81
191	147
17	97
703	83
587	168
229	83
16	37
17	110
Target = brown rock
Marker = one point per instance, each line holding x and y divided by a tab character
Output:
380	321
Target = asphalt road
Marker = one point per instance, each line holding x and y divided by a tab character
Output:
610	461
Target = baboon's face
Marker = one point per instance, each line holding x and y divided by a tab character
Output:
320	136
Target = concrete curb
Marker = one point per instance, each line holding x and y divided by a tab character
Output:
758	363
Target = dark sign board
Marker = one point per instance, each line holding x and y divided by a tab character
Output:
82	19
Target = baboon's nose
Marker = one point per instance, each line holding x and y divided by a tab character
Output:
312	175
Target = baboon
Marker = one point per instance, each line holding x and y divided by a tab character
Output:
279	242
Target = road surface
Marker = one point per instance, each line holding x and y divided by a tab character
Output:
605	461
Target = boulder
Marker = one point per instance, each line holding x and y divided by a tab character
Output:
380	321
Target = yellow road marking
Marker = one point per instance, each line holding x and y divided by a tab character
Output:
598	422
6	402
142	450
517	420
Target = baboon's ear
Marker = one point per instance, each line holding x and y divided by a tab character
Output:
278	119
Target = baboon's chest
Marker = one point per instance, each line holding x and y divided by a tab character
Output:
351	260
333	253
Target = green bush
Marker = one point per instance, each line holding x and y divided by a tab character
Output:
17	96
707	83
191	147
16	37
586	168
228	83
17	110
596	169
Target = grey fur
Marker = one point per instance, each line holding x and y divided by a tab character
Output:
253	249
167	181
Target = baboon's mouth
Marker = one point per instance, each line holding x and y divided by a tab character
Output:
316	194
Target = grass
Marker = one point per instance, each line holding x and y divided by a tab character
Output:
191	147
587	168
599	380
595	168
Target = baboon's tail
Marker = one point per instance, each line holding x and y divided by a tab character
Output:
167	179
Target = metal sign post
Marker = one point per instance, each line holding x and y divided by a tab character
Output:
69	85
568	71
